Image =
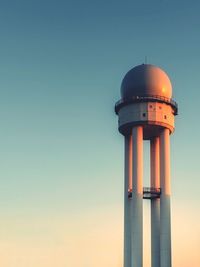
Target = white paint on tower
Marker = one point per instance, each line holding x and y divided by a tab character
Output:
146	112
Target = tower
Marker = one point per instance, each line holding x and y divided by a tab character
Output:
146	111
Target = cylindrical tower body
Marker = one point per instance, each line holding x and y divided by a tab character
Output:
165	217
155	202
146	112
127	222
137	197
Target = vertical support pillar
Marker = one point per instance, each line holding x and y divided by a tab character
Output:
155	203
165	213
127	222
137	198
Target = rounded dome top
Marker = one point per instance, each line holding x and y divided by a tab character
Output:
146	80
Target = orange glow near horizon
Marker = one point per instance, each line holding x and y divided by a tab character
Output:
90	238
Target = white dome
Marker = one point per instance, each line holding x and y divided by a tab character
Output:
146	80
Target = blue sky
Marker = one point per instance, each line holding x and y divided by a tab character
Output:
61	65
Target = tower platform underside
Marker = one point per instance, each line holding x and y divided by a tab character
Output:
153	114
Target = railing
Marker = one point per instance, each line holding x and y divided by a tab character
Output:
146	98
148	193
152	190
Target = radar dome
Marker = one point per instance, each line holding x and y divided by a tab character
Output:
146	80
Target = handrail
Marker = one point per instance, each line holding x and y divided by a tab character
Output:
151	190
133	99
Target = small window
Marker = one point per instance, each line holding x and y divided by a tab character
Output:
150	106
144	114
165	117
160	107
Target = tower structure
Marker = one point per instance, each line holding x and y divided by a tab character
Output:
146	111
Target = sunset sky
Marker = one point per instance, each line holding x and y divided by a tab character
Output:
61	156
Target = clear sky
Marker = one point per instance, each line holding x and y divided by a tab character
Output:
61	160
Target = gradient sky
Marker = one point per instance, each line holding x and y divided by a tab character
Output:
61	160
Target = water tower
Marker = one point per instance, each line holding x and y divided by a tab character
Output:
146	112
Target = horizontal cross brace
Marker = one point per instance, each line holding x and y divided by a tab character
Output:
148	193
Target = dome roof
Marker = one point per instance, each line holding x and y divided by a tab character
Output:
146	80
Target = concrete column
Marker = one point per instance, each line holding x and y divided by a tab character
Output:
155	203
127	222
137	198
165	216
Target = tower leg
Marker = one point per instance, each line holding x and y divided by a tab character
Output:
165	216
127	223
155	203
137	198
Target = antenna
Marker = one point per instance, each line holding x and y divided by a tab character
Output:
145	60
